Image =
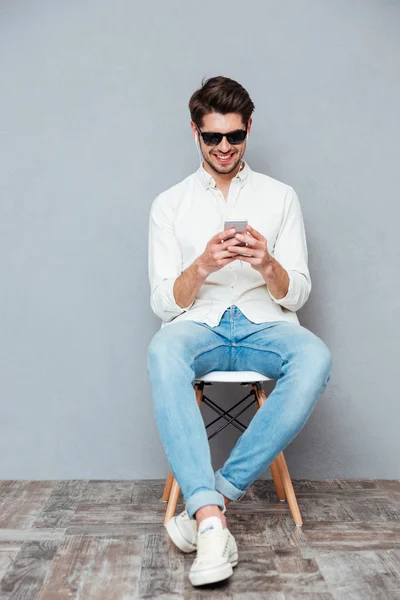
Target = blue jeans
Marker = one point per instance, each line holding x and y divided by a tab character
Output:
181	352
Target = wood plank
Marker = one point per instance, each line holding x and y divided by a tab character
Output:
392	486
323	509
359	484
223	591
14	487
298	595
102	568
109	491
114	529
25	535
260	508
8	552
317	485
21	501
358	575
148	490
248	529
27	572
391	558
282	534
261	491
370	509
60	506
257	573
162	572
289	561
90	514
352	536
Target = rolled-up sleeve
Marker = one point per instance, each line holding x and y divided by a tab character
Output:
291	252
164	261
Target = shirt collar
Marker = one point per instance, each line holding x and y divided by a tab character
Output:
208	180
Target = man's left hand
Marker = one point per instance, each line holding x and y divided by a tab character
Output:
257	247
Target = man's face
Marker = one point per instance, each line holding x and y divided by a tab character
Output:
225	157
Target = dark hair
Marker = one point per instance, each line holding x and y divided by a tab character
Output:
220	95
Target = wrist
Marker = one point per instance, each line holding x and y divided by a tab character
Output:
199	270
269	270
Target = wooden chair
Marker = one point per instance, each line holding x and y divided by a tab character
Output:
279	470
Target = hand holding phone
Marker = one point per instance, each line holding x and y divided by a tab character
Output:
216	254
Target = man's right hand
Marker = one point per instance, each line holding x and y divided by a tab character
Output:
216	255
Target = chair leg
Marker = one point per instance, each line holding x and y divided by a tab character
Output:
281	465
289	491
167	488
173	501
280	492
172	488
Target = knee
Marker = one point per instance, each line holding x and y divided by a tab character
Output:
157	351
323	361
321	356
315	363
163	351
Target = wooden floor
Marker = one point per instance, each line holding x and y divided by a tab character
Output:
104	540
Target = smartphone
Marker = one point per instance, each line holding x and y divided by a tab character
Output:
239	225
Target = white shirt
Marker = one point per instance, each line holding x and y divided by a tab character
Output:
186	216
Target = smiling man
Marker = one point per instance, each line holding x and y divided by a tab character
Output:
227	302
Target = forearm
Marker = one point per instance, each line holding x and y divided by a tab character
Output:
188	284
276	278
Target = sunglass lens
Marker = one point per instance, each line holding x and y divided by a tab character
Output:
237	137
212	138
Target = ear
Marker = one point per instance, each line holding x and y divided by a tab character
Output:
194	129
249	126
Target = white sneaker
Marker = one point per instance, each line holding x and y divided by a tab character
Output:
183	531
217	553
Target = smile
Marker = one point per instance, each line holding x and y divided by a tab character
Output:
224	157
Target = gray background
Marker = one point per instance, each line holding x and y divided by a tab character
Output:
94	124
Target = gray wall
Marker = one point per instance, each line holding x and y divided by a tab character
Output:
94	124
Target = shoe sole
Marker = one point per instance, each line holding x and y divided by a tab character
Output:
178	538
214	575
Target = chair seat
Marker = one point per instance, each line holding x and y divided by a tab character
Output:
234	377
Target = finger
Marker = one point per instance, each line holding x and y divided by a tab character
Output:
243	250
254	232
246	237
222	235
230	242
248	259
227	260
224	254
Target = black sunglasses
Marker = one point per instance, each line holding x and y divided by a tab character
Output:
213	138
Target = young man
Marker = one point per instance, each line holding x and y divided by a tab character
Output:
227	307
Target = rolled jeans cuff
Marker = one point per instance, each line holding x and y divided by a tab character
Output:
203	498
227	488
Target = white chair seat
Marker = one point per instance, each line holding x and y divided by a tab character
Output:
234	377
